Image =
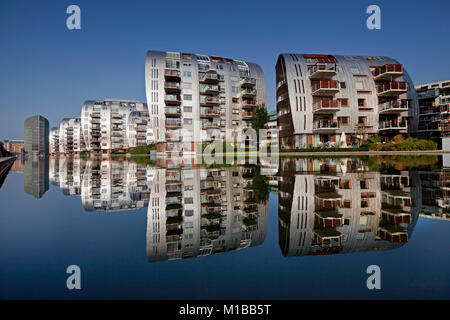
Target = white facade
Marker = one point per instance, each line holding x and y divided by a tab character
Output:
194	98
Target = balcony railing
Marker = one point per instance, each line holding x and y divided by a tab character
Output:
247	115
391	88
210	112
324	87
172	99
172	137
210	77
171	123
211	101
388	71
326	106
209	89
248	103
325	125
172	74
248	93
396	106
248	82
173	111
325	70
392	125
171	86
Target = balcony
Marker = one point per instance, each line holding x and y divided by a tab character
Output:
391	89
248	103
210	125
172	99
173	124
326	106
171	86
172	75
325	126
324	87
247	115
140	136
173	137
248	93
209	101
173	147
173	111
210	77
209	113
248	82
209	89
322	71
392	125
387	72
393	107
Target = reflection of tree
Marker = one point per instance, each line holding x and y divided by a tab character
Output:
260	186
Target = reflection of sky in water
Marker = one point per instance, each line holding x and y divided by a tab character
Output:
42	237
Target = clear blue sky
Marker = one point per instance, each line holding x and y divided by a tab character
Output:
49	70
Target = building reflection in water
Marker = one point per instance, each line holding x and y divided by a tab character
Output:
35	176
192	211
340	206
202	211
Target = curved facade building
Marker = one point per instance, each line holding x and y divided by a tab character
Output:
193	98
323	98
70	137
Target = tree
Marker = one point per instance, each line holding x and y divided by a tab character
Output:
260	186
260	119
360	131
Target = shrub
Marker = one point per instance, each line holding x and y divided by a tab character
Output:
142	149
408	144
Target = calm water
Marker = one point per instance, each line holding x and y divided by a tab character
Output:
159	231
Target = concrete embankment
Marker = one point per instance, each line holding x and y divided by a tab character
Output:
5	165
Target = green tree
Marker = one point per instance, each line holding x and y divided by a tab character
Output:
260	186
260	118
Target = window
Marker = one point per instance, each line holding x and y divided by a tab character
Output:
362	120
187	121
188	188
364	184
187	74
347	204
361	102
343	120
187	109
188	200
188	213
187	85
343	102
359	85
189	225
342	85
187	96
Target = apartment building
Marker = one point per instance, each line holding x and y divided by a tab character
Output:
196	212
115	125
54	140
434	109
14	146
70	136
193	98
339	206
333	100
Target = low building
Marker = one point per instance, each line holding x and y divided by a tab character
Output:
14	146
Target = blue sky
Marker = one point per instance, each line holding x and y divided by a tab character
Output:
49	70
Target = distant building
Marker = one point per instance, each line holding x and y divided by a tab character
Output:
14	146
272	129
114	125
70	137
434	108
36	131
54	140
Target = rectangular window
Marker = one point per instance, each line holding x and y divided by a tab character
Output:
188	200
342	85
187	121
355	70
187	96
188	188
188	213
362	120
361	102
187	85
187	109
343	102
187	74
343	121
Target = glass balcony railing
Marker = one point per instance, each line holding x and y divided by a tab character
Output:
394	106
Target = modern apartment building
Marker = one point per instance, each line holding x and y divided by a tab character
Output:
54	140
115	125
70	136
434	109
336	100
35	176
195	212
36	135
339	206
193	98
